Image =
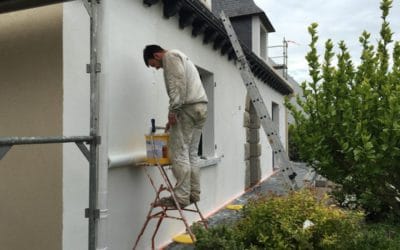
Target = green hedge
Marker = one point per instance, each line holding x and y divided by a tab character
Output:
277	223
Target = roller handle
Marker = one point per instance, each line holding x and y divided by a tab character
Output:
153	126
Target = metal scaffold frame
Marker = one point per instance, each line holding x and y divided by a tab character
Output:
94	139
284	56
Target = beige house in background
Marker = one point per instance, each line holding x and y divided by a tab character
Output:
31	104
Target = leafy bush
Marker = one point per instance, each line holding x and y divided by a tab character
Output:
293	148
349	125
277	223
219	237
377	236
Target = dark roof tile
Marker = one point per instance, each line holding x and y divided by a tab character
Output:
236	8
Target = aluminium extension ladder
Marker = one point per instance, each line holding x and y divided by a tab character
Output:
164	211
286	168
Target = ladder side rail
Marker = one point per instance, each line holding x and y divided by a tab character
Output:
269	128
259	105
171	189
256	98
153	238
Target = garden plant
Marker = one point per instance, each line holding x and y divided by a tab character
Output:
348	127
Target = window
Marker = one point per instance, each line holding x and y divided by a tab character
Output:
207	144
275	115
275	120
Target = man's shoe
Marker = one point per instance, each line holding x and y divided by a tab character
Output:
168	202
165	202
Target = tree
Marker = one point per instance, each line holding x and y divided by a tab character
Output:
349	125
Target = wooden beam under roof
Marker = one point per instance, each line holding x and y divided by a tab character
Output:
220	41
209	35
150	2
199	26
186	18
171	7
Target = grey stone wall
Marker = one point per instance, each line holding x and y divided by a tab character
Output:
252	147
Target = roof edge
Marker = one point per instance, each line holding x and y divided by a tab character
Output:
264	19
192	13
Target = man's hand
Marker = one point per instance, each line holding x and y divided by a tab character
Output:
172	118
166	127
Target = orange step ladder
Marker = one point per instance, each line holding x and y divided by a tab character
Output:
164	212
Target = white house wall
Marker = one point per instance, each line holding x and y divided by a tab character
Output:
75	122
137	94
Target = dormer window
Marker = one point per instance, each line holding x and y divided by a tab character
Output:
251	24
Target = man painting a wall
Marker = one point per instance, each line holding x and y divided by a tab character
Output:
186	118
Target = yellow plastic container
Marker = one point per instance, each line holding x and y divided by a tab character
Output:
157	149
183	239
234	207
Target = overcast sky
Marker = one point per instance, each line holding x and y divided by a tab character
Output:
338	20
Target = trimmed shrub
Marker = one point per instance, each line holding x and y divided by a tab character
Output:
274	222
219	237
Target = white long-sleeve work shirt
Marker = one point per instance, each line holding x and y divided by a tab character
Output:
182	81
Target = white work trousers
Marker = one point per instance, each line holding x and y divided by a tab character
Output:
183	151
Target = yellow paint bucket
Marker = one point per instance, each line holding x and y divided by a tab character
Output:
157	149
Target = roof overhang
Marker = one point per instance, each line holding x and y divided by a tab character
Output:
263	18
192	13
195	14
14	5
